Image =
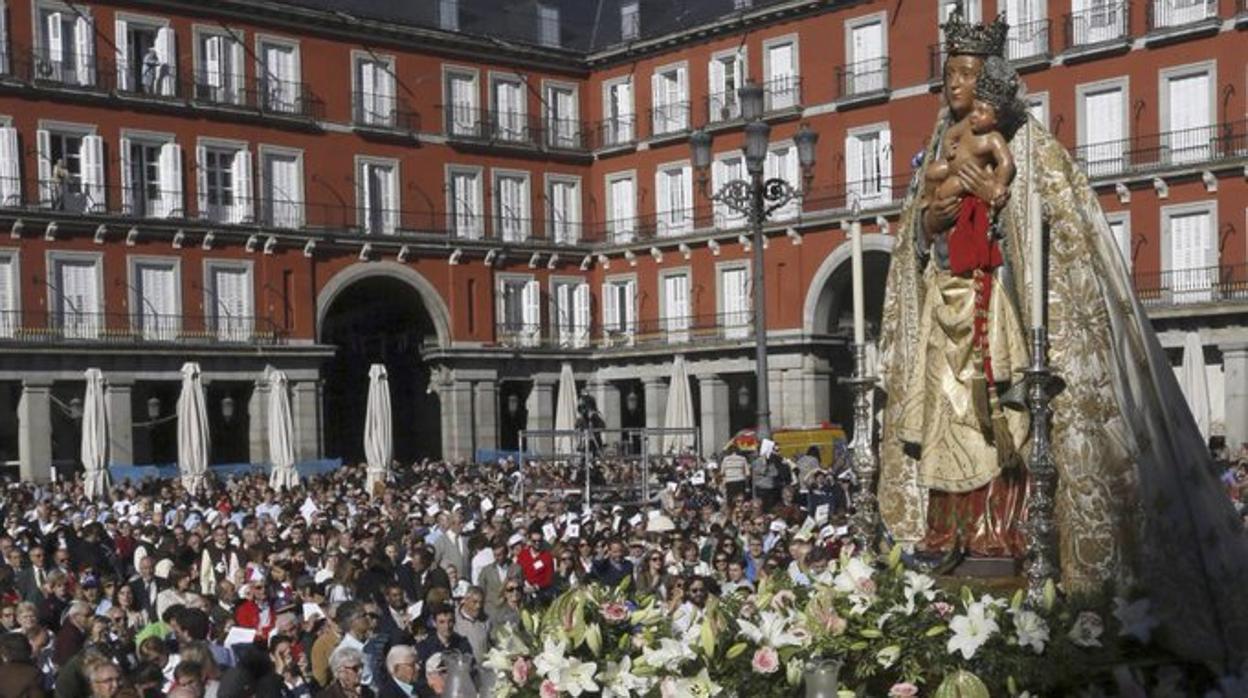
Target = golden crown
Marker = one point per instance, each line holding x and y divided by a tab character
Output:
997	83
964	38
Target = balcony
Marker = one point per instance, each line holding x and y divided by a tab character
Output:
616	132
135	329
670	120
1220	284
722	328
691	329
1183	149
781	96
722	107
383	114
863	82
1097	30
1028	43
515	129
67	70
1173	20
520	335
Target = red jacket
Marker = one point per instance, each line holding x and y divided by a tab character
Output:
538	566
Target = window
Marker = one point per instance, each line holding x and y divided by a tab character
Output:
548	25
463	114
66	47
1038	106
511	200
1102	126
619	311
282	173
725	169
570	313
71	168
1187	116
464	205
1175	13
510	114
1029	33
155	307
971	12
1192	251
734	301
867	71
223	182
675	312
10	167
230	300
448	15
622	205
783	88
630	20
727	73
781	163
146	56
76	295
151	177
671	109
563	195
1094	21
219	68
562	121
378	192
519	311
674	184
374	99
280	89
742	4
869	166
617	97
10	307
1120	228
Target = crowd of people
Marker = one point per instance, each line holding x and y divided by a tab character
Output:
330	590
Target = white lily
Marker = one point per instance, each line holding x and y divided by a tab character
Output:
1032	631
1136	619
852	577
497	660
972	630
619	681
700	686
774	630
576	677
669	655
919	584
554	658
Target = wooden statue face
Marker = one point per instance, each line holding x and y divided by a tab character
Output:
961	73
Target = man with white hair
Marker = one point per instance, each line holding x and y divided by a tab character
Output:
346	664
403	666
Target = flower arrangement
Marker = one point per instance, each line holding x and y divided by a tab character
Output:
895	631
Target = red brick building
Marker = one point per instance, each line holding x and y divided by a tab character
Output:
474	192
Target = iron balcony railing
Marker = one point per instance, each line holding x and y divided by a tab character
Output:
1189	286
519	334
685	329
689	329
215	87
1168	14
1110	21
1028	40
616	131
68	325
862	78
515	128
1192	146
67	68
669	119
779	94
266	94
384	112
722	106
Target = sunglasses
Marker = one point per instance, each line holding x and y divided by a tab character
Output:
511	589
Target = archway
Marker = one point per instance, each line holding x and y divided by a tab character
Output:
376	316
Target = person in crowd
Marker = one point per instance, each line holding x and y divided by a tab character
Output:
19	677
347	666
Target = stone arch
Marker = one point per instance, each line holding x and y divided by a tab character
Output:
818	305
429	295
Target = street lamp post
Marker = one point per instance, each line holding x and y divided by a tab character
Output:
756	198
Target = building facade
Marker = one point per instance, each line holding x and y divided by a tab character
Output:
475	192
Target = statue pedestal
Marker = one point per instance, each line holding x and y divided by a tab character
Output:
985	567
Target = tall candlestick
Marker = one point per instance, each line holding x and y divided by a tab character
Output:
1035	231
860	323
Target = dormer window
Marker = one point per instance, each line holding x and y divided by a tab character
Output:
630	20
548	25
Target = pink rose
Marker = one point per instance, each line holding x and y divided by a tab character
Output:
520	671
615	612
766	661
866	586
943	610
903	690
549	690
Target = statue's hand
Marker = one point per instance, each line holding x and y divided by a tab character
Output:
977	180
940	214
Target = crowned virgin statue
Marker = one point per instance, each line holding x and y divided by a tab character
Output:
1138	502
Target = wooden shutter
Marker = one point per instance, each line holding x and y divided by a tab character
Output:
213	74
884	163
580	314
240	170
92	158
127	178
663	202
201	184
532	309
9	320
167	51
84	44
56	41
171	180
121	37
43	169
10	167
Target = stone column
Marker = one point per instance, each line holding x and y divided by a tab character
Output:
118	395
34	435
258	424
541	409
305	408
607	397
485	406
777	399
796	409
715	406
656	408
1235	369
457	435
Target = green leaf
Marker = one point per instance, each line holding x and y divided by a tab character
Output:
859	646
894	557
707	637
1050	595
967	597
1011	685
737	650
871	633
934	631
1017	602
593	638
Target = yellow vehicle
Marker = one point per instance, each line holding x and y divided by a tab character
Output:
792	442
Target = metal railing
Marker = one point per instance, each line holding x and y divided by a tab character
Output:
869	77
688	329
782	93
1167	14
515	128
1167	149
149	80
385	112
685	329
1227	282
1028	40
264	94
1110	21
722	106
68	68
668	119
519	334
72	326
616	131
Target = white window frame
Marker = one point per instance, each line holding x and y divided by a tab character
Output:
577	332
1195	279
299	205
513	125
877	78
667	119
786	96
1187	147
262	73
792	209
525	219
11	320
166	84
448	21
1038	100
727	218
544	25
83	76
743	328
1109	155
724	105
471	232
1123	217
160	207
90	326
676	327
390	217
452	126
379	108
243	208
571	231
885	194
622	332
563	132
93	192
630	20
163	328
620	230
234	91
622	128
529	333
232	329
673	227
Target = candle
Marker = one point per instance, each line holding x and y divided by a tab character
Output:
1035	232
860	323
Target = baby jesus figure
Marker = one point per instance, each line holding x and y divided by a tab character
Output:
977	139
